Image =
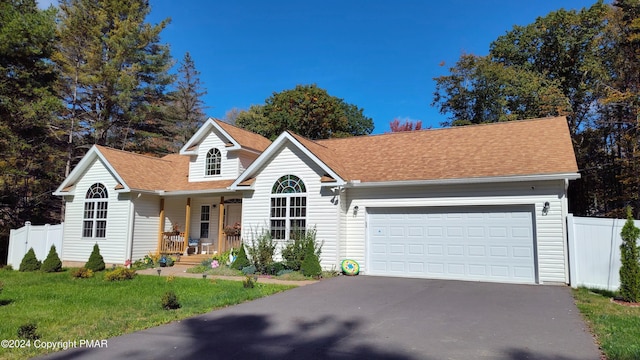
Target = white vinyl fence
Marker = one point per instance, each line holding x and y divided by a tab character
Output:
40	238
594	251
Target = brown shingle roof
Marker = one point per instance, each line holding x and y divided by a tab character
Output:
526	147
169	173
245	138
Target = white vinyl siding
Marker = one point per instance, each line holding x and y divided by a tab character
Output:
322	209
230	164
548	229
146	223
113	246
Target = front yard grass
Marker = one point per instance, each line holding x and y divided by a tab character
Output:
68	309
616	327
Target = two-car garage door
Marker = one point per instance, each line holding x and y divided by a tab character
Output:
480	243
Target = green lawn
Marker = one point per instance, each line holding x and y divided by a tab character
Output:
66	309
617	327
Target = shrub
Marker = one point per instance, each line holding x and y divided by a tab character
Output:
262	250
30	262
284	272
96	261
6	267
295	250
249	270
311	264
82	273
120	274
275	268
28	331
170	301
630	260
248	282
241	260
52	263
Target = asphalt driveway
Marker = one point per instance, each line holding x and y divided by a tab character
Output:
373	318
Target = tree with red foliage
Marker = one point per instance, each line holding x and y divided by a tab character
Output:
407	125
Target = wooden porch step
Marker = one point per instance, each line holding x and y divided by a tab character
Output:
193	259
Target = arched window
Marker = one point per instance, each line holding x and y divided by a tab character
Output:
95	212
288	207
214	159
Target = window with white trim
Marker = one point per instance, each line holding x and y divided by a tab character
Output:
96	201
213	162
288	210
205	214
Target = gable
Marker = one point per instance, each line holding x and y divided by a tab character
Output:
293	145
97	171
229	161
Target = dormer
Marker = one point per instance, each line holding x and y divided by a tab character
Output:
221	151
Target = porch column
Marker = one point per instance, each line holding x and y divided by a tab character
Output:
160	225
221	225
187	226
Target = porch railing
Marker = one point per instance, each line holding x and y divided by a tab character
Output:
172	243
231	241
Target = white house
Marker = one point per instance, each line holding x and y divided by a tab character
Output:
483	202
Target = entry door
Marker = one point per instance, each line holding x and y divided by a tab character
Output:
233	214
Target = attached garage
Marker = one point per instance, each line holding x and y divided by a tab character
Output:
477	243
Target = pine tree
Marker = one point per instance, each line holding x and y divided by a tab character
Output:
186	107
630	260
241	260
311	263
115	72
96	261
30	262
30	165
52	263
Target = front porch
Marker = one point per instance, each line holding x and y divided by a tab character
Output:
211	225
174	243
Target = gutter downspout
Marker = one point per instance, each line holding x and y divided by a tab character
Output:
132	215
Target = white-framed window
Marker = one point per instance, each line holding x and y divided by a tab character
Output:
205	215
288	210
213	162
96	202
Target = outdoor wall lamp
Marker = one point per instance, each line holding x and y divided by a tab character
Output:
545	208
355	210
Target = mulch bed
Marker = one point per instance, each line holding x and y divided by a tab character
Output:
625	303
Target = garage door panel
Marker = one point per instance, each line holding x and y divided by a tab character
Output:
477	250
416	249
477	270
476	243
498	251
455	250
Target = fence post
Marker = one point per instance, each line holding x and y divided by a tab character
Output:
27	225
573	263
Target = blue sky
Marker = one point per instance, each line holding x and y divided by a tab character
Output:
379	55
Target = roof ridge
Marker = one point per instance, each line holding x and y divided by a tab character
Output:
108	148
450	128
294	134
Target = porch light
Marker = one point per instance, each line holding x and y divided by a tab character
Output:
355	210
545	209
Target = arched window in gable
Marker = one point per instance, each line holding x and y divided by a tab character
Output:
288	210
213	162
96	202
